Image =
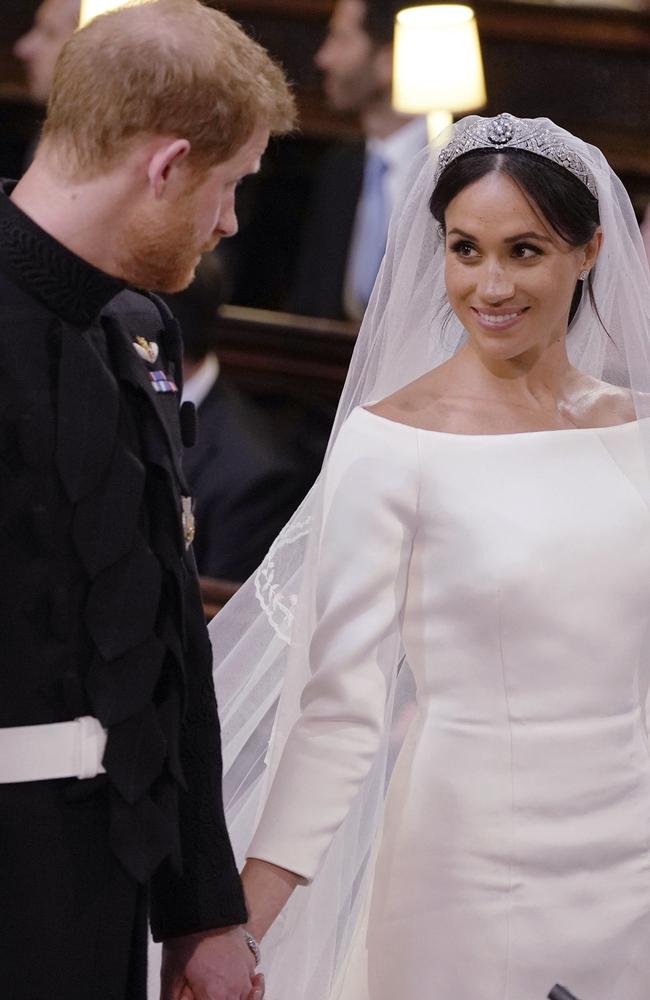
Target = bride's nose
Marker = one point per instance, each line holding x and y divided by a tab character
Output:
495	284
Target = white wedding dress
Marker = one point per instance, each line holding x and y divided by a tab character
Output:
515	847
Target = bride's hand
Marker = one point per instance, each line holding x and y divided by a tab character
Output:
213	965
267	889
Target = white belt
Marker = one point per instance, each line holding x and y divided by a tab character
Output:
59	750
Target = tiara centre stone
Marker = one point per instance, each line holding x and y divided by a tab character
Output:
500	131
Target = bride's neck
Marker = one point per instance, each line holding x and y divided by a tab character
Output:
540	379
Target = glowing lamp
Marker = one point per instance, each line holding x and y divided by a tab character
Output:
438	69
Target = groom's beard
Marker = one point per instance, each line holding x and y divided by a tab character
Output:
160	252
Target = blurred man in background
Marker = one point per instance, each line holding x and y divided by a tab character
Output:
39	49
54	23
359	183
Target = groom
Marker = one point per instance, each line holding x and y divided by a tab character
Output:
110	764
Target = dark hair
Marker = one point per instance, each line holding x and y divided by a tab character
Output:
379	19
565	202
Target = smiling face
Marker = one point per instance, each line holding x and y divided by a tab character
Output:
510	277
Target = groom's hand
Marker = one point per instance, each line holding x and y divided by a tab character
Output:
256	993
217	965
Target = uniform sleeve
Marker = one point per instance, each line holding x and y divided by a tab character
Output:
207	893
370	508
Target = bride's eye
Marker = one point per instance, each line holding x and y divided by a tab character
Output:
525	251
463	249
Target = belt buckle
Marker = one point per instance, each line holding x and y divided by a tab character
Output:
91	741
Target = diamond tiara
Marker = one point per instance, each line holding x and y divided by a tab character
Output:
507	132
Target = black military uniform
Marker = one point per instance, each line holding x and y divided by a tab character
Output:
100	615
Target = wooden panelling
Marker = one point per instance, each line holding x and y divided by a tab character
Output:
215	594
586	68
294	361
269	353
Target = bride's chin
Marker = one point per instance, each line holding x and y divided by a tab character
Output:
504	349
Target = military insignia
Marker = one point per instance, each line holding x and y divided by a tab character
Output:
188	521
146	349
161	382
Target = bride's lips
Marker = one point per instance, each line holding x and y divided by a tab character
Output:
498	319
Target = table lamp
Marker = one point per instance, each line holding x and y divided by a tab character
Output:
438	69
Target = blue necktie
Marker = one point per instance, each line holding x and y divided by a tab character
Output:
372	228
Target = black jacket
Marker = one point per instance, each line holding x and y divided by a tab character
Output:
319	282
245	484
100	612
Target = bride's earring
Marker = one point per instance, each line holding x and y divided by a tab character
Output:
582	275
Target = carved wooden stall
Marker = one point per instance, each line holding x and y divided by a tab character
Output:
268	353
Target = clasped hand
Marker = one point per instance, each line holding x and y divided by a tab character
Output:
216	965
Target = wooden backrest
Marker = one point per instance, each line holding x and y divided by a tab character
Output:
268	353
286	361
215	594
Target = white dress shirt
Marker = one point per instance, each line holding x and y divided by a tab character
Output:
399	151
199	384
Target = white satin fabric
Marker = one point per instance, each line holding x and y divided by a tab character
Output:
515	846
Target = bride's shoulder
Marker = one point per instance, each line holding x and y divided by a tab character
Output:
424	404
601	404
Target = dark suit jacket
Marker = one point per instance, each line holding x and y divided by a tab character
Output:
100	612
322	262
245	486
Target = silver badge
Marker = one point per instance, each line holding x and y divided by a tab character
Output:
146	349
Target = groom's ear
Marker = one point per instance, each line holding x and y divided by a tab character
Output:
164	160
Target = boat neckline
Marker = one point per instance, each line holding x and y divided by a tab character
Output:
512	434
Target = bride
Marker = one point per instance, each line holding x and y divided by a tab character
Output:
458	617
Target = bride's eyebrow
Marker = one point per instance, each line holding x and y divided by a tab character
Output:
463	234
530	235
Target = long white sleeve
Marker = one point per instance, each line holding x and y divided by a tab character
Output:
370	507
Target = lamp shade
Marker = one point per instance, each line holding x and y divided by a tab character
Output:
437	61
93	8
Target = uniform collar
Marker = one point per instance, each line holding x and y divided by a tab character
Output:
69	286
